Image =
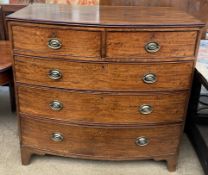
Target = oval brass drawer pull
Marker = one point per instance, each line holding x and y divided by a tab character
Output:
54	43
152	47
142	141
145	109
56	105
57	137
55	74
150	78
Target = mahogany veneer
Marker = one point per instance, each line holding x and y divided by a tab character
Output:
106	83
104	76
100	143
102	107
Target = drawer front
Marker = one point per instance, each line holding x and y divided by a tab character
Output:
102	108
162	45
46	40
92	76
100	143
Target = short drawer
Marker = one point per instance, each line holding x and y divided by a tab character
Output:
147	45
102	108
95	76
100	143
50	41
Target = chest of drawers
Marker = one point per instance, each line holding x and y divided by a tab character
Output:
105	83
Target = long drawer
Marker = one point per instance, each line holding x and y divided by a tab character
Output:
102	108
100	143
91	44
103	76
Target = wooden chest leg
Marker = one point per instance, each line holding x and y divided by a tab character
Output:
171	163
25	155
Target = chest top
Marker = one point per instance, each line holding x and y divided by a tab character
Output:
106	16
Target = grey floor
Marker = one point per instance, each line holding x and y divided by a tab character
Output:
188	163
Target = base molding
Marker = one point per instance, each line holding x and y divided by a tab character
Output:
28	152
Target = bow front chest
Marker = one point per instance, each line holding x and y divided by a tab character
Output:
105	83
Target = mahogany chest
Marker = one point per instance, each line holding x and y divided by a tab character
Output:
105	83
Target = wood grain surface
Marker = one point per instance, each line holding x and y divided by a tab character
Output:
102	62
74	43
102	108
132	44
100	143
105	16
91	44
110	77
5	56
5	63
197	8
157	3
